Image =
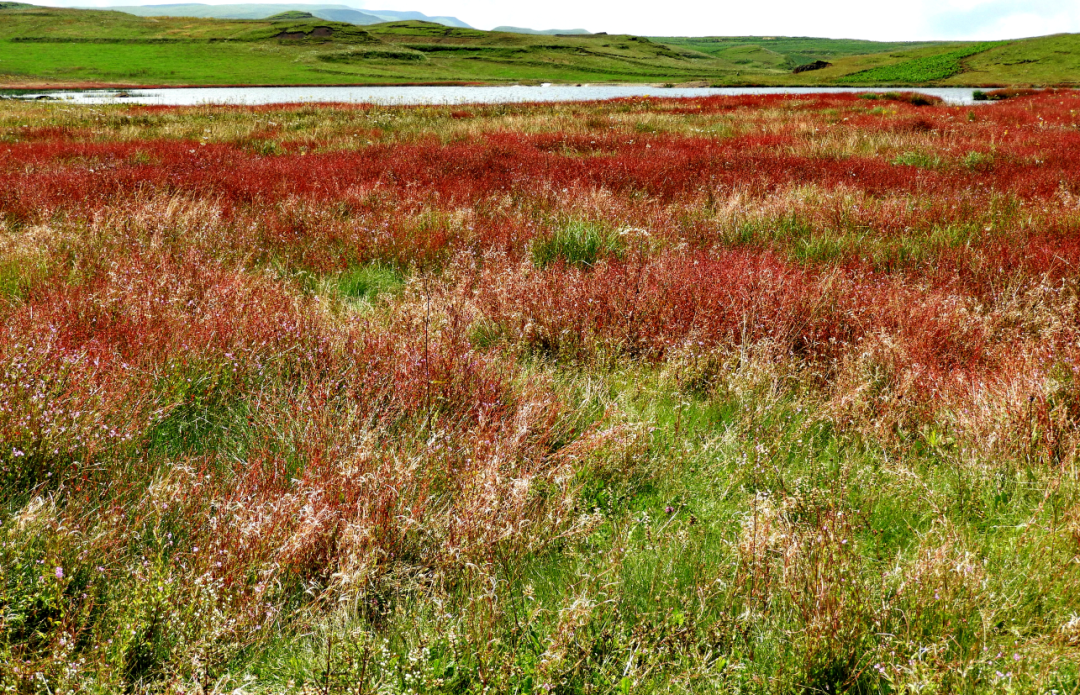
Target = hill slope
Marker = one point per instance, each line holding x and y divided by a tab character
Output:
394	16
45	46
797	50
1038	62
338	13
83	46
543	32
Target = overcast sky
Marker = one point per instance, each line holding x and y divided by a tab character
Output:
909	20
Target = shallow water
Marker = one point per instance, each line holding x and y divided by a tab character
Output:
445	95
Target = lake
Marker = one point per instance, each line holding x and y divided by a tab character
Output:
446	95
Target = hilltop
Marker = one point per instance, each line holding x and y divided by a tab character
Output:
545	32
294	45
337	13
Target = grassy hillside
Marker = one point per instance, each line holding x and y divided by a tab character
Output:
45	46
337	13
1039	61
247	11
920	70
52	45
795	50
547	32
398	15
1045	60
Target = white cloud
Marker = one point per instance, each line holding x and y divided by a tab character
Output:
1004	19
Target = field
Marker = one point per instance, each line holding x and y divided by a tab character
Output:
42	47
743	394
920	70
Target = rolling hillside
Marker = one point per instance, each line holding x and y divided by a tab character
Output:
546	32
1036	62
55	46
793	51
337	13
63	47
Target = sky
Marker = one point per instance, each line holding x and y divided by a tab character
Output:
911	20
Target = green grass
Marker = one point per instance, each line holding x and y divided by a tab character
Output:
577	243
667	575
923	160
367	282
1044	61
919	70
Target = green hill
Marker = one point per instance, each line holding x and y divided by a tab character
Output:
1042	61
797	50
350	16
397	16
1037	62
291	14
337	13
542	32
56	46
45	46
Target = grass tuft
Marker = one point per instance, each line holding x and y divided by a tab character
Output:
577	243
365	283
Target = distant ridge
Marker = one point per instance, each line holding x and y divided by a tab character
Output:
393	16
542	32
333	13
292	14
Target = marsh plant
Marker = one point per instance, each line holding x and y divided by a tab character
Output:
777	395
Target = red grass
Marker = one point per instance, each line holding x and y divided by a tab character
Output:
396	202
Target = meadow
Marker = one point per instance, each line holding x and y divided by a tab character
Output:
771	394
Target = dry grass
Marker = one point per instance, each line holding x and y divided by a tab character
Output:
738	394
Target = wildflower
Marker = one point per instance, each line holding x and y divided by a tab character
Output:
59	572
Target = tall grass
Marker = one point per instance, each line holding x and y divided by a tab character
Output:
516	403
